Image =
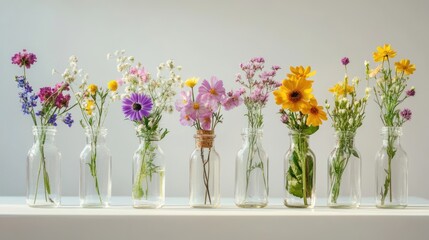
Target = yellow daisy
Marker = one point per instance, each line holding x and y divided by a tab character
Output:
294	94
383	53
112	85
300	72
92	89
89	106
315	113
405	66
340	90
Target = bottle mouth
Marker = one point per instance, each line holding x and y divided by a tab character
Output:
252	131
397	131
96	131
204	138
345	134
46	129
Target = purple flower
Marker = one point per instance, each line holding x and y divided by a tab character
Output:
27	98
213	91
345	61
406	114
53	120
411	92
68	120
284	118
233	99
136	106
275	68
24	58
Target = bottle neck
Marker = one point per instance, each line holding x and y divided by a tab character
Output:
391	136
204	139
96	136
299	140
44	135
251	135
345	139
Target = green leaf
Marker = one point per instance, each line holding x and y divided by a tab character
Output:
355	153
310	130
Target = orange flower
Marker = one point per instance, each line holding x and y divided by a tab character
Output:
405	66
383	53
315	113
294	94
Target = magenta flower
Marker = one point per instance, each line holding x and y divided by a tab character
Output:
185	119
406	114
213	91
185	98
345	61
411	92
24	58
284	118
136	106
206	121
62	100
140	73
45	94
233	99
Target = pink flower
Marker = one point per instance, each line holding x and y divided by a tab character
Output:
196	109
185	98
206	121
140	73
24	58
233	99
62	101
213	91
45	93
411	92
185	119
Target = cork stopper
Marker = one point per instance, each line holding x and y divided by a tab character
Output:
204	138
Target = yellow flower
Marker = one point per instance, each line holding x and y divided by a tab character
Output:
112	85
315	113
294	94
191	82
339	89
383	53
92	89
405	66
89	106
300	73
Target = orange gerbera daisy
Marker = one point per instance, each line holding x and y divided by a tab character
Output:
315	113
383	53
299	72
294	95
405	66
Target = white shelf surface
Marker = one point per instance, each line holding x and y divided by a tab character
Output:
177	221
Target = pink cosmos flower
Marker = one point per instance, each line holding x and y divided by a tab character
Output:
196	109
24	58
185	119
206	121
233	99
213	91
185	98
140	73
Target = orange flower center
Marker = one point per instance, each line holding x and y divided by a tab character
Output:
295	96
213	91
187	117
196	106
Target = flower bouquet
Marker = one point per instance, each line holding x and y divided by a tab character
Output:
93	102
251	185
390	91
347	115
202	110
43	157
144	101
302	115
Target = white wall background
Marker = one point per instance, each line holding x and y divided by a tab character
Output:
209	38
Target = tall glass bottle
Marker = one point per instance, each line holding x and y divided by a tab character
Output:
344	173
43	169
204	172
148	174
95	184
300	173
251	171
391	171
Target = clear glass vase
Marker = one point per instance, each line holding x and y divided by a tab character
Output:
95	183
391	171
300	173
251	171
148	174
344	173
204	172
43	169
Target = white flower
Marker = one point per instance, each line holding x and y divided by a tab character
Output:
179	68
367	90
53	71
351	121
73	59
355	80
140	128
366	63
124	95
116	53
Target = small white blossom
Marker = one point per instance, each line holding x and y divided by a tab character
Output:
366	63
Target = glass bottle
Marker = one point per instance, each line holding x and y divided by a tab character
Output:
391	171
251	171
344	173
148	189
43	169
95	185
300	173
204	172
